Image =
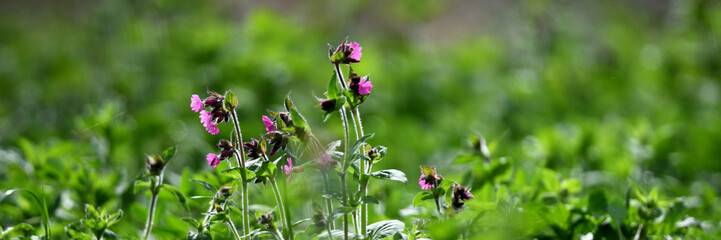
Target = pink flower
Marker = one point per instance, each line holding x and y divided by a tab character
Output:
356	53
212	128
288	169
422	182
195	103
365	86
213	159
429	178
268	124
205	118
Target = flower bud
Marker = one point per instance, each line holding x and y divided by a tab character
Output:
460	195
373	154
225	144
225	191
254	150
154	164
328	105
266	220
225	154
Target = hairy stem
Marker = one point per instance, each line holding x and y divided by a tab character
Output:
328	202
155	190
233	229
240	157
279	200
344	191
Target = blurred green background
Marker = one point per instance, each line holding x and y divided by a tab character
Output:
609	92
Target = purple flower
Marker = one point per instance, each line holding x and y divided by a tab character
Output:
205	118
195	103
268	124
460	195
422	182
355	52
212	128
288	169
213	159
429	178
365	86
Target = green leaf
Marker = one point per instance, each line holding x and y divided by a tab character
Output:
192	222
354	148
177	193
239	173
384	229
139	185
297	119
231	101
421	197
572	185
210	187
390	174
550	181
169	153
338	212
42	203
333	87
482	206
369	199
597	201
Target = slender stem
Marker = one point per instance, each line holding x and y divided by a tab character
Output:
277	234
279	201
364	188
327	228
354	216
232	228
240	157
344	191
328	202
246	217
238	139
345	203
438	207
151	211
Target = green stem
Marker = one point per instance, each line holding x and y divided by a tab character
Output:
343	187
153	203
362	187
240	157
232	228
277	234
328	202
279	200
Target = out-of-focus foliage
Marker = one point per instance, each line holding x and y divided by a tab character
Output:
585	100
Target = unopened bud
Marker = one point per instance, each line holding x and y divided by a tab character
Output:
225	191
154	164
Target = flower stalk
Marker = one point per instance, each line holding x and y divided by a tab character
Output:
154	190
240	157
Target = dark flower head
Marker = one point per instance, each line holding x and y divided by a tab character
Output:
328	105
154	164
225	192
460	195
254	148
224	144
429	178
266	220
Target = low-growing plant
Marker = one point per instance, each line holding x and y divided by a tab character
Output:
492	198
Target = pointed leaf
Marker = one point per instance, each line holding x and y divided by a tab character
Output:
390	174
